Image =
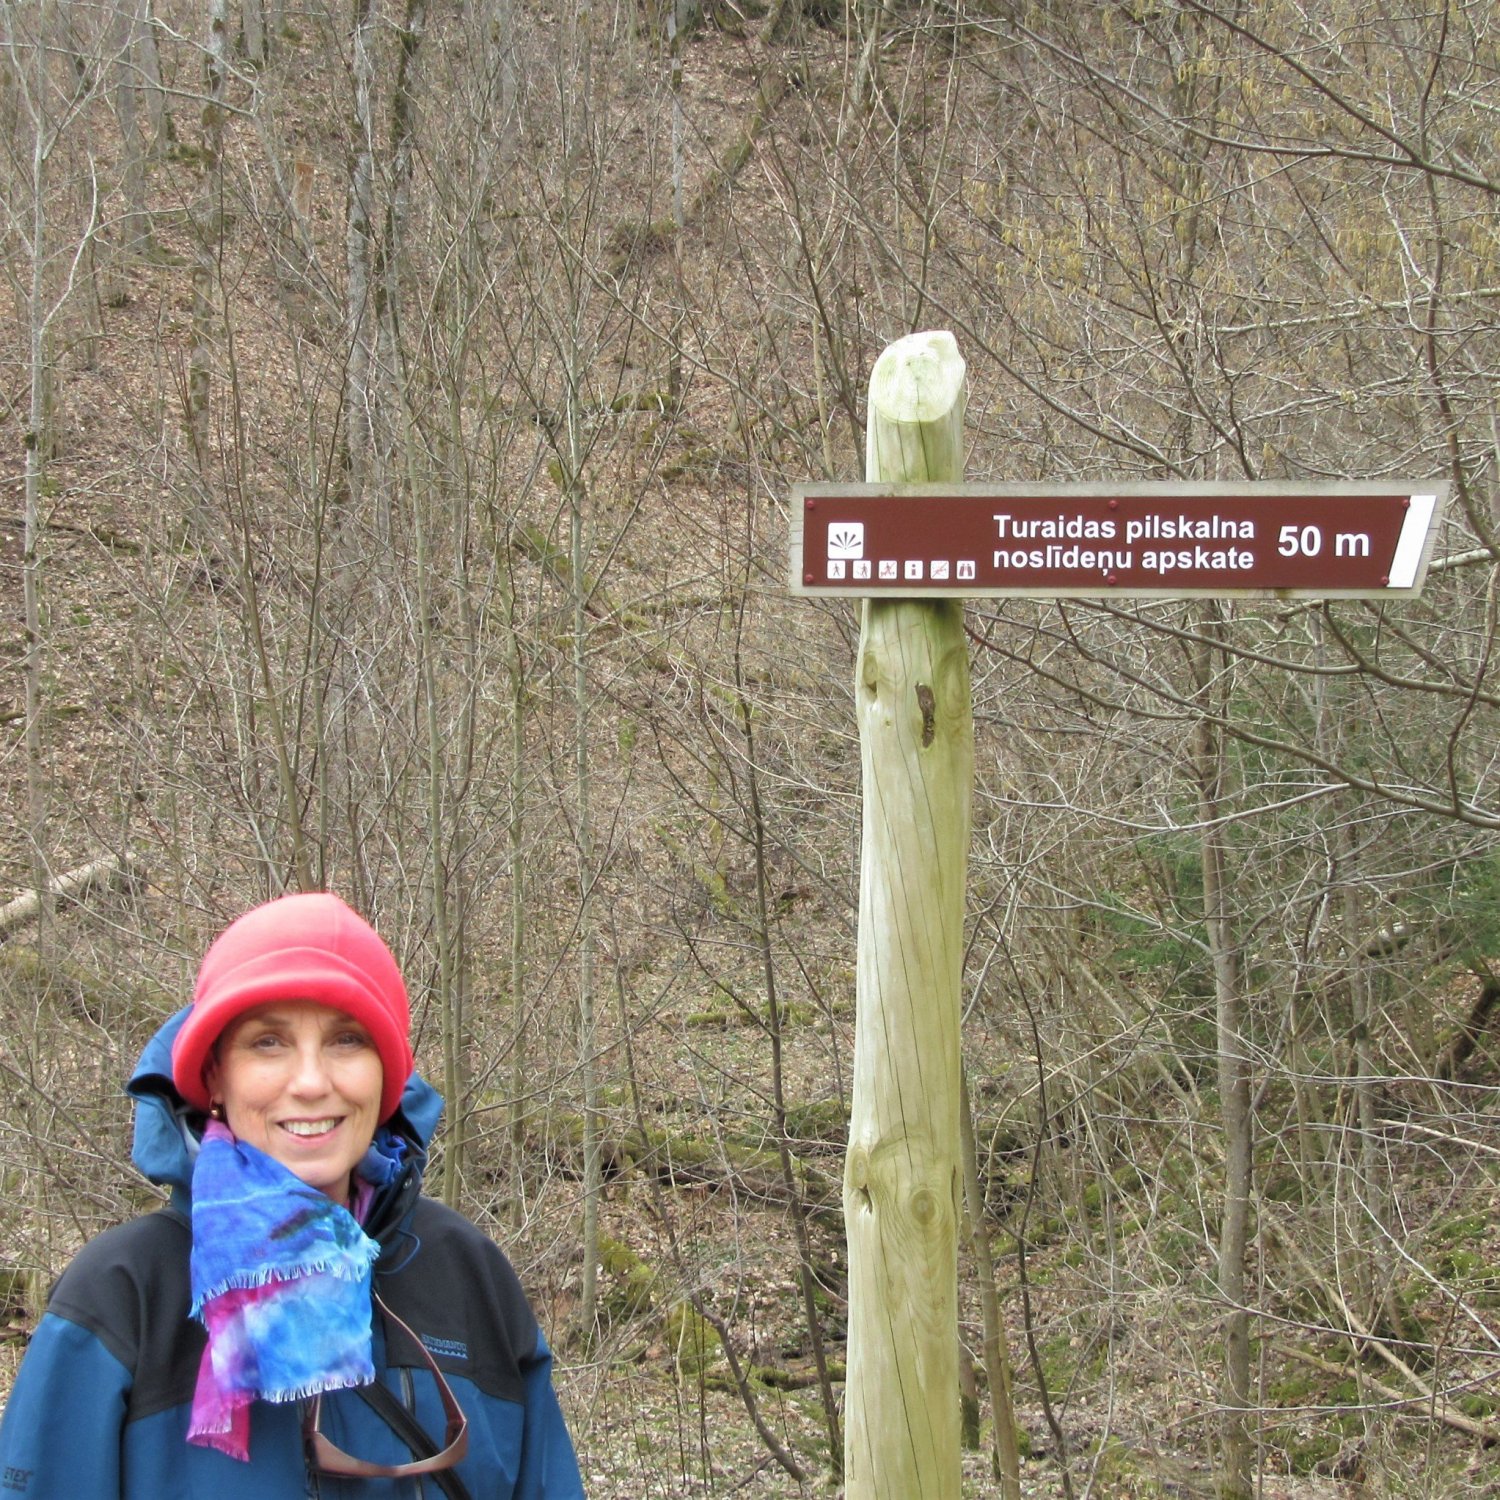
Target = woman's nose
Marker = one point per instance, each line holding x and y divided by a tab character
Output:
310	1074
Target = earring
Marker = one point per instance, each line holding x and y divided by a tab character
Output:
216	1109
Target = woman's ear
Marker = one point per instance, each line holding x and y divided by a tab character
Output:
211	1082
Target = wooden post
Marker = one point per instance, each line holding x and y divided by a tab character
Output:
902	1173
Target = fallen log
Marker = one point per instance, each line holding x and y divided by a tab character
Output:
681	1159
113	872
1465	1041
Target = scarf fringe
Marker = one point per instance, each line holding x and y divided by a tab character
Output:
225	1442
316	1388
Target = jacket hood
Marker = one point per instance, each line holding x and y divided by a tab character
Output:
168	1128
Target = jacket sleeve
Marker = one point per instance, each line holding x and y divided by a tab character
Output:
61	1436
549	1467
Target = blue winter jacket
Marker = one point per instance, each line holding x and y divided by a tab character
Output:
101	1402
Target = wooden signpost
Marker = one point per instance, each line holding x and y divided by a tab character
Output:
913	544
902	1168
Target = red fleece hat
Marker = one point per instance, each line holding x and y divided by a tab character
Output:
308	947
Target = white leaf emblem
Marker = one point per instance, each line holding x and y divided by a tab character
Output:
846	539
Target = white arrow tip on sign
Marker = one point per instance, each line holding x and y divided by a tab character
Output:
1413	536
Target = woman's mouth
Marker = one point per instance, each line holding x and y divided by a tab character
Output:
307	1129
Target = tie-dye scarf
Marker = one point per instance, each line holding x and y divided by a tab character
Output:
281	1280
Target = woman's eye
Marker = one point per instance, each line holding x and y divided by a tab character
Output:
351	1039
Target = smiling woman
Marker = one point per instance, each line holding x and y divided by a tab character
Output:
299	1320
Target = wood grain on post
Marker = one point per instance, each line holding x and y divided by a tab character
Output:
902	1178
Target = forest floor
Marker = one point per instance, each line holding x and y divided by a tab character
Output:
1128	1389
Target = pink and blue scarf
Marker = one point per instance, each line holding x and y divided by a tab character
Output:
281	1280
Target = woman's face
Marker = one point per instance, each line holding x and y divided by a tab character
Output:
302	1083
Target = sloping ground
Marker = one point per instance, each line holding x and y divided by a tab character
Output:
161	739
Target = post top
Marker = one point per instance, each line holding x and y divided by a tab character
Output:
918	378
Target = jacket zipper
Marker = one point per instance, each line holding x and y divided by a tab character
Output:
314	1488
409	1400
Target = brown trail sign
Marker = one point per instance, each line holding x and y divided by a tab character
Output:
1126	540
913	547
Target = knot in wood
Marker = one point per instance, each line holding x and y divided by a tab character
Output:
928	704
859	1169
924	1205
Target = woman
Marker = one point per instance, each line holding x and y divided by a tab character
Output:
298	1320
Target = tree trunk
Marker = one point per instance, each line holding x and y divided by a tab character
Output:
587	1023
996	1354
515	834
359	263
38	450
1212	771
153	92
209	229
254	33
135	231
775	1032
